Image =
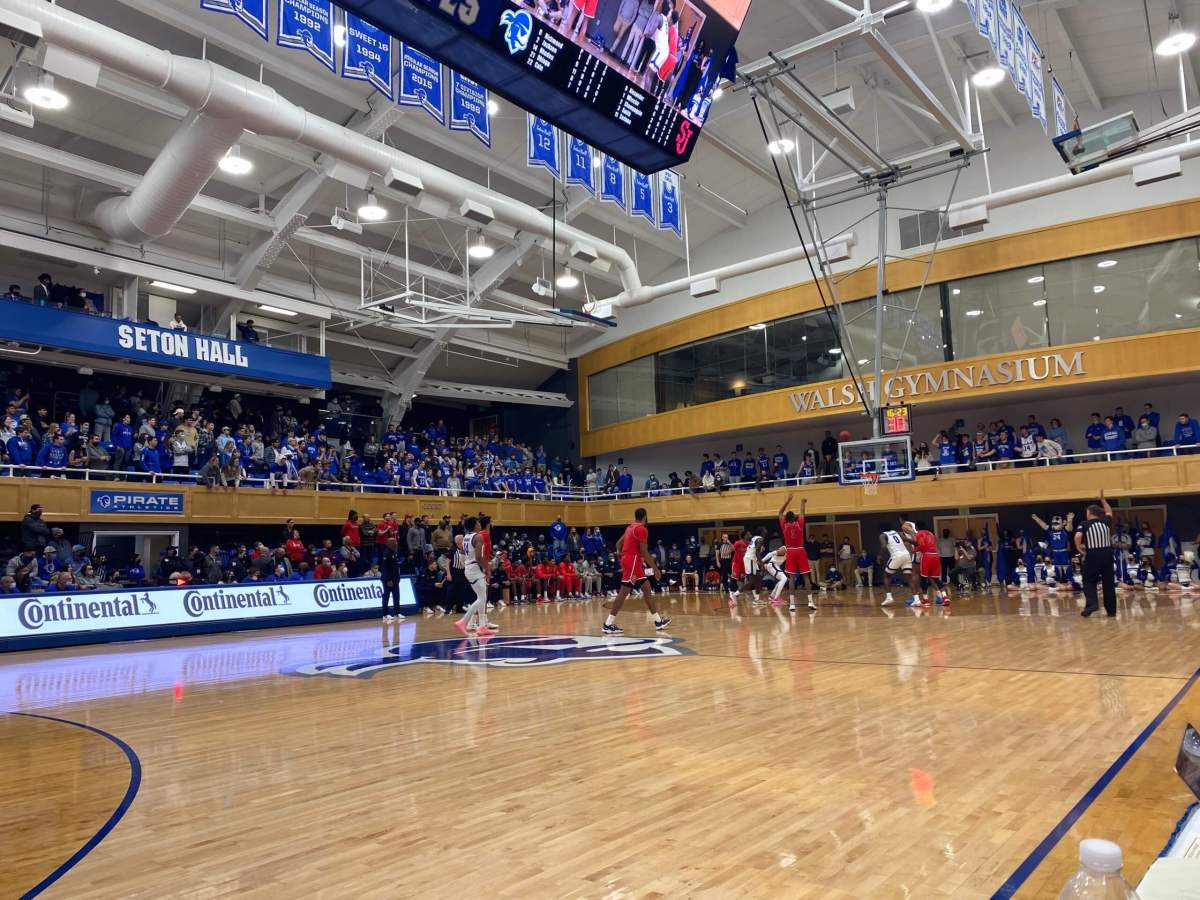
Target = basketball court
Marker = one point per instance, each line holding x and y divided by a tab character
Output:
848	753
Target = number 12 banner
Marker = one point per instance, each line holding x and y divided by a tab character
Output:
543	145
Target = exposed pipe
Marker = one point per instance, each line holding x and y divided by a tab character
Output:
836	248
967	212
225	95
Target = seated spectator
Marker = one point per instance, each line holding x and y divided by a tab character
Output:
689	575
1187	431
177	323
14	293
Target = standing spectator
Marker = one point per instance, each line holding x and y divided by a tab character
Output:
558	537
53	454
1094	434
247	332
1057	433
97	456
389	573
350	530
1187	431
1094	541
1049	450
845	560
43	291
415	541
180	453
35	532
1145	436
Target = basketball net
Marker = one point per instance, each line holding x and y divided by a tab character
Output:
870	484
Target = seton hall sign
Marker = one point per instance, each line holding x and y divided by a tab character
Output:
944	380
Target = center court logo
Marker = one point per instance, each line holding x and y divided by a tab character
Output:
510	652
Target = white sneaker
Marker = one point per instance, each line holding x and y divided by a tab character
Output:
387	618
791	607
812	604
441	611
399	618
427	611
888	600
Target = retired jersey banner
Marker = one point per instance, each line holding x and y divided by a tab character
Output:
308	25
469	108
1021	51
579	164
1062	122
669	207
986	23
641	200
1037	84
612	181
368	55
543	145
1004	28
252	12
421	82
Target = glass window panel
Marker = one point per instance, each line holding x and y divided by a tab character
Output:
1125	292
1004	312
912	332
622	393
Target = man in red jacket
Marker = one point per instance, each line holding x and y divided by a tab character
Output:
568	578
547	576
350	529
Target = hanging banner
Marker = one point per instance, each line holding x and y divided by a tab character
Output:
308	25
469	108
641	199
580	170
986	23
368	55
1062	124
1004	28
543	145
1037	84
1021	51
252	12
973	9
421	82
612	181
669	214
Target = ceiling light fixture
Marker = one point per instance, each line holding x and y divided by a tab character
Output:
277	311
973	313
1097	289
1041	302
862	362
758	326
1174	44
956	291
480	249
989	77
781	146
1036	279
597	162
1106	264
339	35
167	286
493	107
371	211
567	279
929	7
836	351
44	95
233	163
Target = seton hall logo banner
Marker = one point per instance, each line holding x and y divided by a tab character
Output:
142	502
143	343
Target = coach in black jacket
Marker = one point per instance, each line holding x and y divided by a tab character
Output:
389	573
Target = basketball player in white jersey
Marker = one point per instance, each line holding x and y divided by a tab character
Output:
473	549
897	556
773	565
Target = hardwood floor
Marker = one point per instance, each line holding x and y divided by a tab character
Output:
852	753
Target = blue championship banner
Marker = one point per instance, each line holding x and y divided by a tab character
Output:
122	339
543	145
469	108
368	55
252	12
579	164
421	82
669	214
125	502
612	181
104	615
641	201
308	25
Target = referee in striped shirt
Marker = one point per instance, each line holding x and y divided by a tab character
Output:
1094	542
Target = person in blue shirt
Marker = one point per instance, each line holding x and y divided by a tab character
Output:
707	465
1006	431
1004	451
1112	438
965	451
982	451
625	482
135	575
765	463
48	563
122	441
779	460
808	471
558	536
1034	426
947	453
1094	433
150	461
539	485
21	451
53	455
734	468
1124	422
1187	431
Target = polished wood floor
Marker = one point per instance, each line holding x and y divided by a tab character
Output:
856	752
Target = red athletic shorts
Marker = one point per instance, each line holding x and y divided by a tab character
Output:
797	562
633	570
931	565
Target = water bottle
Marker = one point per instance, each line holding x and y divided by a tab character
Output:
1099	876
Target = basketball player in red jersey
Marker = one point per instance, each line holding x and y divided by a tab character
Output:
637	565
485	532
796	565
929	567
737	569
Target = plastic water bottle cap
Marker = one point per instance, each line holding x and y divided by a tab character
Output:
1100	855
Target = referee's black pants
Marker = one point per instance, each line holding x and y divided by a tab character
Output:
1098	569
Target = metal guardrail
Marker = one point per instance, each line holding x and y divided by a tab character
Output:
567	494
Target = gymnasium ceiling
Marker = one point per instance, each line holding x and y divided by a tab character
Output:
1102	49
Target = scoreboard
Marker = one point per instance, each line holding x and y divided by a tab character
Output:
895	420
523	51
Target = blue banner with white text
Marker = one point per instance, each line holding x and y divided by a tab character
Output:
421	82
1004	28
368	55
612	181
252	12
144	343
669	207
579	164
308	25
543	145
1021	52
469	108
986	23
641	199
134	501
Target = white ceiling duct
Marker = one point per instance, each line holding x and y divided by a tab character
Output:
224	96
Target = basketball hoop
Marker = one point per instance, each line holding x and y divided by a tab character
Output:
870	484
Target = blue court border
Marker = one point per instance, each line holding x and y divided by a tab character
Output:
135	782
1050	841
